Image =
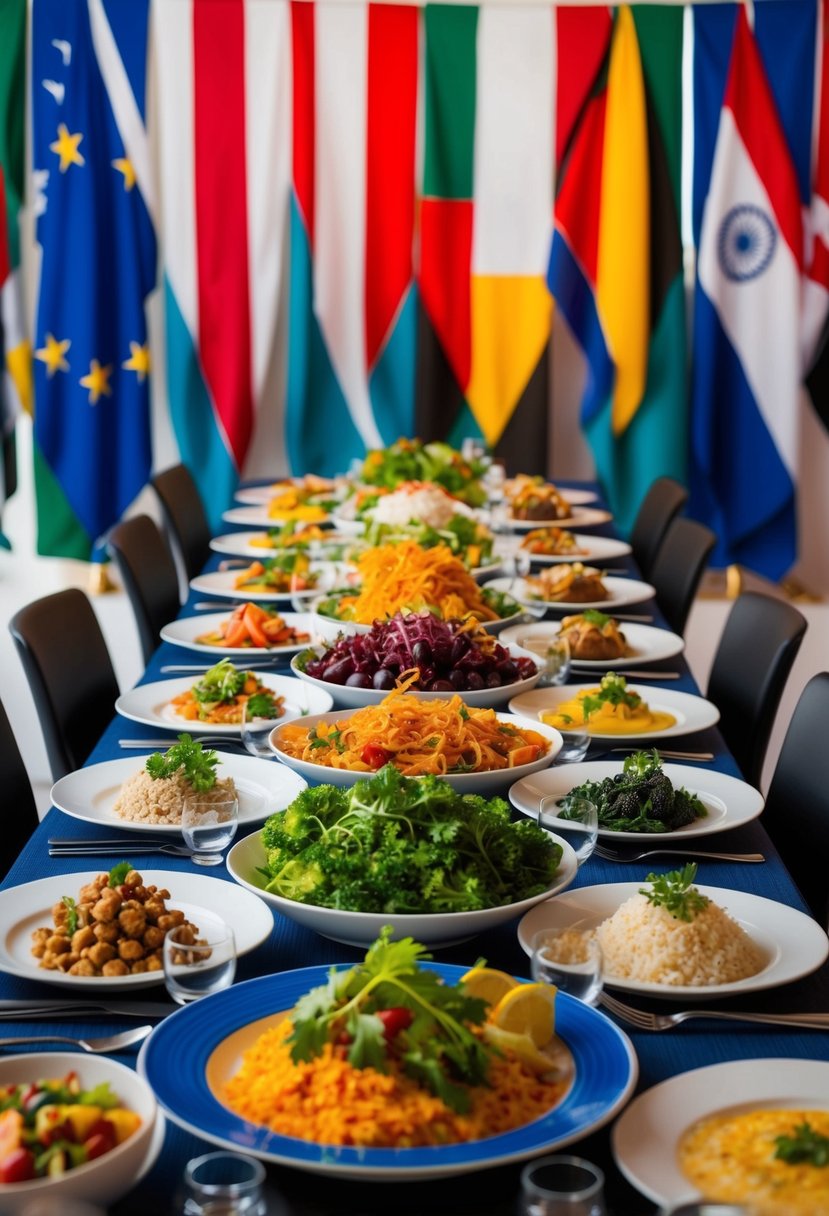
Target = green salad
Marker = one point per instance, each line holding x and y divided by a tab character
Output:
413	460
641	798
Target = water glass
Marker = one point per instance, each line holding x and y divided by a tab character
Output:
208	826
703	1208
255	734
224	1184
562	1186
198	964
553	652
574	748
574	819
570	959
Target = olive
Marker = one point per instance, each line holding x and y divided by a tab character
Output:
358	679
383	679
457	679
339	672
493	680
422	653
509	672
459	649
441	686
474	681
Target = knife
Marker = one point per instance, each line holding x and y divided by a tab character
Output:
22	1009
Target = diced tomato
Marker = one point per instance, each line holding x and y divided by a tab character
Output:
374	755
17	1166
60	1131
98	1144
394	1020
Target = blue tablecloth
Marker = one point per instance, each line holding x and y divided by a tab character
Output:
660	1056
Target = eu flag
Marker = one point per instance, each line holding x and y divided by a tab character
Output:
92	359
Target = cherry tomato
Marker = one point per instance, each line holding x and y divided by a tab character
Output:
60	1131
97	1145
374	756
394	1020
17	1166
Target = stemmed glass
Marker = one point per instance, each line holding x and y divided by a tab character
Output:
208	826
574	819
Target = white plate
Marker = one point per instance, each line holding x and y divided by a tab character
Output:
355	698
361	928
598	549
692	713
729	801
620	591
258	517
256	495
151	704
646	1135
90	793
184	632
467	783
29	906
579	517
794	944
239	544
221	582
647	644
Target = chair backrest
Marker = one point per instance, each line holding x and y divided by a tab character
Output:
19	813
796	814
663	501
184	516
70	674
678	568
149	576
754	657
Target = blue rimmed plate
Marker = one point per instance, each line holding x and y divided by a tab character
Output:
191	1054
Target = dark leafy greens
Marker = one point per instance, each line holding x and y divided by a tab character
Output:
641	798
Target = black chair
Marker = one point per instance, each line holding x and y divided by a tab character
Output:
149	575
796	814
70	674
752	663
663	501
19	811
678	568
184	517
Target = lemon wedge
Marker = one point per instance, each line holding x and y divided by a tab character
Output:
522	1047
488	984
527	1009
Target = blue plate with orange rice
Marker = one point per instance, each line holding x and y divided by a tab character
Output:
193	1053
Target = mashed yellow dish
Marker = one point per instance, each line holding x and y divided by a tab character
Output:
610	709
734	1158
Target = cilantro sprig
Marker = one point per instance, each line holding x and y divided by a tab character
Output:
676	893
613	690
806	1145
197	764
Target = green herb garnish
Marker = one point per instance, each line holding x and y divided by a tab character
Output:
263	705
675	893
198	765
594	617
223	682
118	873
805	1145
71	914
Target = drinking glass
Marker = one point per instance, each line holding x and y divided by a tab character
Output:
571	959
562	1186
255	734
574	748
208	826
472	449
553	651
574	819
198	964
224	1184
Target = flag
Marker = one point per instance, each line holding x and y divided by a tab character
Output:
816	236
747	361
92	433
616	262
15	349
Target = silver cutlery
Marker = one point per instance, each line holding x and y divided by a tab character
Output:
213	605
17	1010
154	744
644	675
623	855
641	1020
108	1042
128	842
254	665
119	850
665	753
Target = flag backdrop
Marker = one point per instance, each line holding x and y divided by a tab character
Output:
370	216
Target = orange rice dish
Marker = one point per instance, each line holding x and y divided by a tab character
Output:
327	1101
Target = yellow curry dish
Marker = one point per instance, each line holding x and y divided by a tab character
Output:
775	1160
610	709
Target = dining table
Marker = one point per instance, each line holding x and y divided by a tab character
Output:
495	1191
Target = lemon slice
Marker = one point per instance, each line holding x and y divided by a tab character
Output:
488	984
522	1047
527	1009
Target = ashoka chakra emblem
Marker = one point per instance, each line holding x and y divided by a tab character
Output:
746	242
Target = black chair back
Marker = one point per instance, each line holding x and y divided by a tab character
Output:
184	517
19	813
663	501
678	568
70	674
754	657
796	814
149	575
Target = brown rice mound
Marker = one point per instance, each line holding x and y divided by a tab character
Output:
146	799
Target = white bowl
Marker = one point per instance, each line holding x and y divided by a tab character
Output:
361	928
490	782
108	1177
355	698
329	628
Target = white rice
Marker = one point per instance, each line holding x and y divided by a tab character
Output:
428	504
145	799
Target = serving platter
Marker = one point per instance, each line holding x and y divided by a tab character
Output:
597	549
193	1053
728	801
793	943
90	793
258	517
29	906
645	1138
186	630
646	644
152	704
621	591
692	713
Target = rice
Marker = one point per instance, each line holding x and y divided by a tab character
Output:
642	941
328	1101
144	799
427	504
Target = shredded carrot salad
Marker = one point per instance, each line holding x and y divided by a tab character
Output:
327	1101
415	736
406	577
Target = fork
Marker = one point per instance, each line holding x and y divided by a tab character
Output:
601	850
119	850
107	1042
642	1020
667	753
153	744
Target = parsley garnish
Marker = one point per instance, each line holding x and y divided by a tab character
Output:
71	914
805	1145
263	705
118	873
675	893
198	765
